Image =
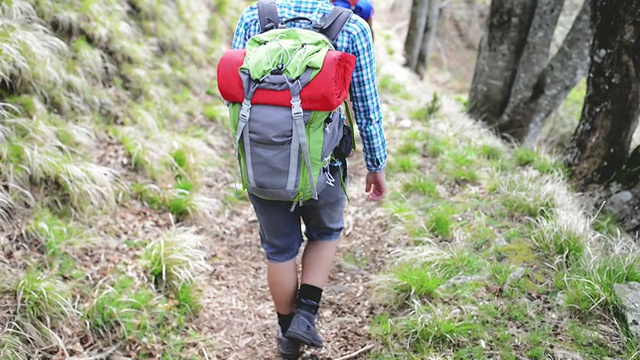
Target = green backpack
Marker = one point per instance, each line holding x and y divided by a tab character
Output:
284	152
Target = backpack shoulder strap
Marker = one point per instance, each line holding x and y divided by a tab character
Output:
332	24
268	15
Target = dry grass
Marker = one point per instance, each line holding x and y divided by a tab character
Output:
72	74
176	259
531	236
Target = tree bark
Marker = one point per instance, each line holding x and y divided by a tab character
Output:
429	35
569	65
601	142
415	34
501	49
535	56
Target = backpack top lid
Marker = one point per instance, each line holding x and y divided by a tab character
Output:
330	25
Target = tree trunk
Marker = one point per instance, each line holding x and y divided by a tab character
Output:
429	35
569	65
415	34
601	142
501	49
535	56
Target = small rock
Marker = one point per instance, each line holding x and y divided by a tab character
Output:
618	201
405	124
629	295
500	242
459	280
338	289
561	354
210	183
516	275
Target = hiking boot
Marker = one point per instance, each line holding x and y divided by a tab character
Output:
289	349
303	329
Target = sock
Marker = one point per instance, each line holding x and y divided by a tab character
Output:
284	321
309	298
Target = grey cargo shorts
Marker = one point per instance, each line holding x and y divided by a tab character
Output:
281	230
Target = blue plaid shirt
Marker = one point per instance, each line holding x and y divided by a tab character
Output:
355	39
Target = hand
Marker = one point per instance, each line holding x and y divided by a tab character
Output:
376	186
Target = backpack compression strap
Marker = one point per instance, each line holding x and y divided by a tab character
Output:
268	15
332	24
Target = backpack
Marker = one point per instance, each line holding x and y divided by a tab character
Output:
285	105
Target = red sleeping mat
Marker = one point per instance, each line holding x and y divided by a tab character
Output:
328	89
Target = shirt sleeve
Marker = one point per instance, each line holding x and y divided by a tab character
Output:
241	35
366	100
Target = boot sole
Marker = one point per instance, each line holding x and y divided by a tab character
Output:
290	356
293	335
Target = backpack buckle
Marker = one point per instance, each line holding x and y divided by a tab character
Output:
245	110
296	109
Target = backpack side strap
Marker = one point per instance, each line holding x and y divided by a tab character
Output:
268	15
332	24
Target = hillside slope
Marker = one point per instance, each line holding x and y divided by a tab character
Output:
494	255
105	158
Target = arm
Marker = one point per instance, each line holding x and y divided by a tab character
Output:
370	22
366	100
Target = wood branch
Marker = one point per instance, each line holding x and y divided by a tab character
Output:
353	355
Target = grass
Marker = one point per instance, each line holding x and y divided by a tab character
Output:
421	185
503	261
429	111
54	233
120	309
97	118
43	298
173	261
387	83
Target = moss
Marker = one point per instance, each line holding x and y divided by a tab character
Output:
517	253
15	154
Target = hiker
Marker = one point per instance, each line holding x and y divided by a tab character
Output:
362	8
323	210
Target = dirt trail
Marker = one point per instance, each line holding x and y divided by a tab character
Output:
238	311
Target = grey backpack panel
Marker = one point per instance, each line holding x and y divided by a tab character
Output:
272	154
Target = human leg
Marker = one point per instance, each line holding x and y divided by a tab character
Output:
281	238
324	220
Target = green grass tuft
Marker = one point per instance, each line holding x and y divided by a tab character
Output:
422	186
53	231
175	259
43	298
439	220
590	286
